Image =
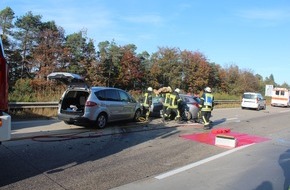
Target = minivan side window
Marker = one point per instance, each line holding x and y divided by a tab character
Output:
124	97
112	95
101	95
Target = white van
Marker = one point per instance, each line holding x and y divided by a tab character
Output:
280	97
253	100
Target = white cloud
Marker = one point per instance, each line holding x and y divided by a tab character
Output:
264	14
147	19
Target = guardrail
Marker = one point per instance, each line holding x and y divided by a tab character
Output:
25	105
32	110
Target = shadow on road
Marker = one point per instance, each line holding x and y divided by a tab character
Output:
284	162
24	159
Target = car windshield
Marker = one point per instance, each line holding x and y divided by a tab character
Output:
156	99
188	99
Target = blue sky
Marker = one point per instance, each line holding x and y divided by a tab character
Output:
252	34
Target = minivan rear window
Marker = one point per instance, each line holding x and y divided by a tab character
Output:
249	96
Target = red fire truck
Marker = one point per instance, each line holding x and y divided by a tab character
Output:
5	119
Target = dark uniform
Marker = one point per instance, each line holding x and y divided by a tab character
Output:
207	104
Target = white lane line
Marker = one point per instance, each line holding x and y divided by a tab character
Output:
231	118
192	165
284	111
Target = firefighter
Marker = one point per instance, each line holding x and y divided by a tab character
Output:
206	106
147	102
166	101
173	104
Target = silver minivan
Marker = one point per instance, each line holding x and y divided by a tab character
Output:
253	100
97	106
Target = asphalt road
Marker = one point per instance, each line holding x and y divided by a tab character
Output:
48	154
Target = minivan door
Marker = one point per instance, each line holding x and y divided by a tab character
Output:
113	104
129	106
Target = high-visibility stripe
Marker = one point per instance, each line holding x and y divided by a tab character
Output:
280	98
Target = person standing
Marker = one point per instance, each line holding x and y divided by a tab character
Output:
206	105
166	101
173	105
147	102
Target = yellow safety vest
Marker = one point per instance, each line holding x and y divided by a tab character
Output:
146	99
173	101
167	99
208	102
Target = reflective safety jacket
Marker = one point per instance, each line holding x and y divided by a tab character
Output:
174	100
147	100
207	102
167	99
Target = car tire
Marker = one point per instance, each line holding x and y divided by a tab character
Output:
101	121
137	115
188	115
68	122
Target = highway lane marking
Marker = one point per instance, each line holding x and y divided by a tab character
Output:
192	165
284	111
234	118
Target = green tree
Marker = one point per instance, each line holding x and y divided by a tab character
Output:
130	75
232	78
49	51
285	85
198	70
166	69
76	44
248	82
6	23
27	35
270	80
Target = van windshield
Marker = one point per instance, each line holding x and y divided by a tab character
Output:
249	96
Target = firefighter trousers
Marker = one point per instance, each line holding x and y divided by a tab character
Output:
205	115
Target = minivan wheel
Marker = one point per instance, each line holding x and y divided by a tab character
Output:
101	121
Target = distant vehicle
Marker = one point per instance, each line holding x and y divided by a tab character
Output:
280	97
5	119
253	100
97	106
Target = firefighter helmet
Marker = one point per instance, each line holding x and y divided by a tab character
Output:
150	89
207	89
177	90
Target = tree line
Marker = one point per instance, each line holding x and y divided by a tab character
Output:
35	48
